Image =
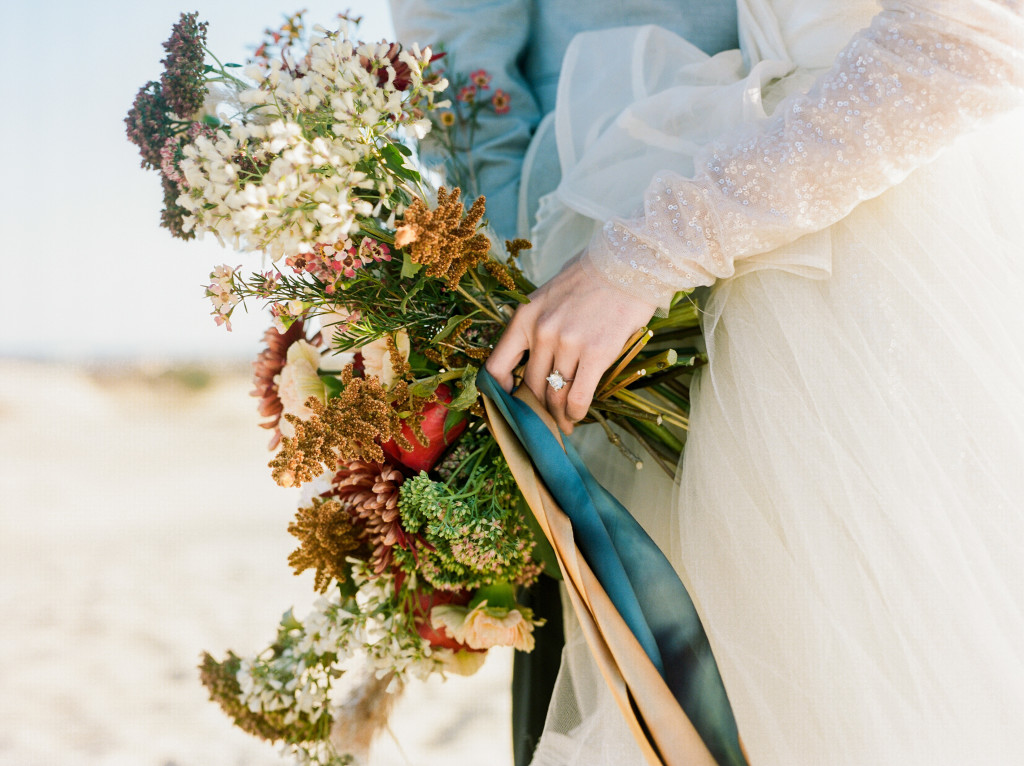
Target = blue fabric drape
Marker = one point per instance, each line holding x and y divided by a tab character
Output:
635	574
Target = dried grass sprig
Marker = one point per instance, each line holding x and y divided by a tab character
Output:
352	426
445	239
221	681
327	536
500	273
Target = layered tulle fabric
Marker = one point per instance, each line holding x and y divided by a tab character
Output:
850	512
852	502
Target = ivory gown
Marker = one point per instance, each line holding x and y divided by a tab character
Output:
849	516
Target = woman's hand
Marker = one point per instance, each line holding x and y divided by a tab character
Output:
573	324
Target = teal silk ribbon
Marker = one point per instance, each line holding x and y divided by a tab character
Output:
635	574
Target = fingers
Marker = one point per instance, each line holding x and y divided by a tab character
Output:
556	400
507	354
538	367
581	394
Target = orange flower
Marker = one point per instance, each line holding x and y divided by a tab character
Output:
483	627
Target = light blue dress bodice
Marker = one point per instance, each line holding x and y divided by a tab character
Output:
521	43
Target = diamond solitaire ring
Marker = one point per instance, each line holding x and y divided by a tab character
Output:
556	381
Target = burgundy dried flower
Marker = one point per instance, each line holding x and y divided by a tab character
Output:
147	124
172	217
183	83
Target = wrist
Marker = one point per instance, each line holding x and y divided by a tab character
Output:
610	270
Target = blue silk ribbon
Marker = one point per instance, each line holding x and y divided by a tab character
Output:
633	571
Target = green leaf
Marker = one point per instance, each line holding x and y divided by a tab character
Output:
452	419
394	160
409	269
333	385
426	386
391	156
468	395
489	283
371	229
500	595
514	295
452	324
412	291
347	589
288	621
404	149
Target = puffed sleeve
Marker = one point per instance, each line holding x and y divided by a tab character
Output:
490	35
903	89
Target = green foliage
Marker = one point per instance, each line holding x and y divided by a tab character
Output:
471	536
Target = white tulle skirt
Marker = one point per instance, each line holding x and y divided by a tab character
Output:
849	515
851	510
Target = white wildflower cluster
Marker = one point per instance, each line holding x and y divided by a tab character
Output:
391	643
271	188
295	676
306	159
321	753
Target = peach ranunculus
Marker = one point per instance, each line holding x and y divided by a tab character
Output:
377	360
483	627
298	381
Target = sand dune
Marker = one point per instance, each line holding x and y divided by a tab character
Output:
139	526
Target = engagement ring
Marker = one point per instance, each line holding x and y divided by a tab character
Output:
556	381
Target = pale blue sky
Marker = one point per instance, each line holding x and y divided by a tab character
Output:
87	270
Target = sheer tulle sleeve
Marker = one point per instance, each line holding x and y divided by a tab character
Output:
903	89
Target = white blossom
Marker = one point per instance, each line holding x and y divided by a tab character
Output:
268	184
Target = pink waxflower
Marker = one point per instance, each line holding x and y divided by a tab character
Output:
284	314
480	79
299	263
374	250
221	292
501	102
350	260
268	282
467	94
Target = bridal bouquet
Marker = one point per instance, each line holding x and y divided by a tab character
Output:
386	296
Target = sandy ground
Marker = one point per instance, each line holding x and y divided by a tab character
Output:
139	526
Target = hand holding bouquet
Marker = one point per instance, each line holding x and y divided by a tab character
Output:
386	297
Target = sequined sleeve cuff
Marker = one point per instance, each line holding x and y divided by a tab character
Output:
903	89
